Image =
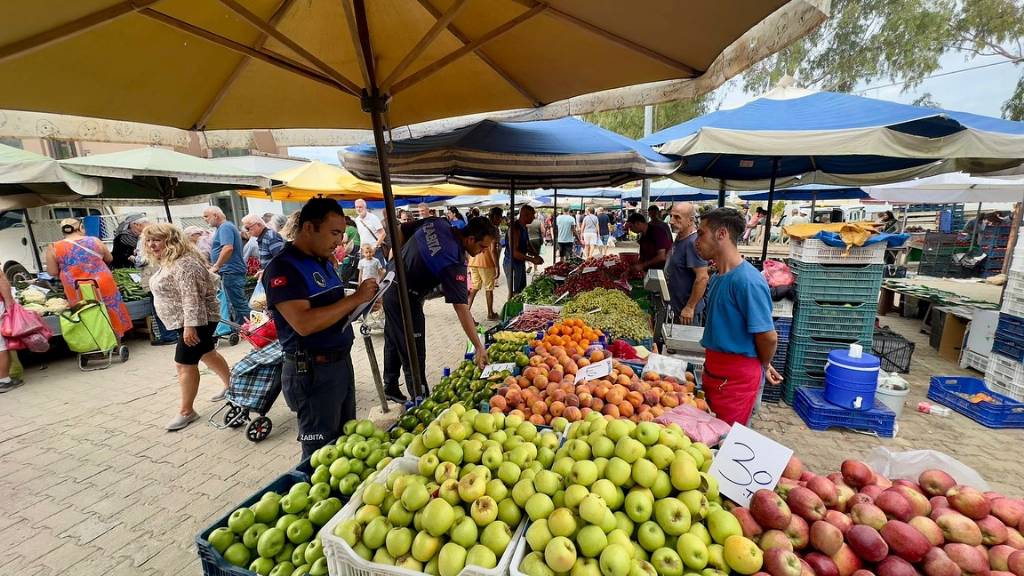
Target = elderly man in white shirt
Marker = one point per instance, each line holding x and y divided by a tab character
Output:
371	231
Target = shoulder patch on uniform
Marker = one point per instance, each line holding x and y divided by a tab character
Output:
460	277
278	281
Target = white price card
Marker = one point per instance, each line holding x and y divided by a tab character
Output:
492	368
747	462
595	370
588	270
135	277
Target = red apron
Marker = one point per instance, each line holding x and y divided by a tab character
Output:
731	383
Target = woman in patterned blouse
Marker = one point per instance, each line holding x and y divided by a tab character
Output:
185	298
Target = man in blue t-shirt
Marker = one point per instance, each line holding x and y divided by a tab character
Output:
307	300
686	272
739	334
226	255
567	234
434	253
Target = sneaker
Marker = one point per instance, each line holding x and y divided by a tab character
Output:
396	397
179	421
219	396
10	385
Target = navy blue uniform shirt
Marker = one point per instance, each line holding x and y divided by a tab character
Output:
294	275
433	256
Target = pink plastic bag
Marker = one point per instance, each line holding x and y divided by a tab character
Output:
24	329
698	424
778	274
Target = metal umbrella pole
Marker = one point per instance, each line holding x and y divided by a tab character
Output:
32	239
768	218
376	104
721	193
554	229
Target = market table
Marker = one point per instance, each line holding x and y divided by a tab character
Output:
137	310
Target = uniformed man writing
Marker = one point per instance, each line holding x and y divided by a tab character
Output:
309	307
434	253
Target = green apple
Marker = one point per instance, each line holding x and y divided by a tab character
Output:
285	555
696	502
673	516
662	486
319	491
340	467
716	558
700	531
639	505
722	524
321	474
299	554
497	489
650	536
314	551
438	517
508	472
661	455
591	541
221	538
464	532
684	472
300	488
425	546
295	502
579	450
615	559
742	555
451	559
266	511
409	563
398	541
538	535
547	482
602	446
533	565
484	510
285	568
399	515
496	536
270	543
238	554
539	506
593	508
560	554
350	531
472	451
241	519
562	523
299	531
303	569
617	429
472	486
483	556
522	491
623	522
262	566
610	493
648	433
583	473
642	568
433	437
375	532
618	471
414	497
509	512
667	562
319	568
251	536
363	551
629	449
644	472
575	494
693	551
374	493
697	453
321	512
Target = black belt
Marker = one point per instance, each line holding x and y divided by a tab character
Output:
317	356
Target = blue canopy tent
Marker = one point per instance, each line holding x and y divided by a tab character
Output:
800	136
562	153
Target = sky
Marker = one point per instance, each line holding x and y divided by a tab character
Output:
980	91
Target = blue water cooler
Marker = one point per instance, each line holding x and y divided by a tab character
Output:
851	378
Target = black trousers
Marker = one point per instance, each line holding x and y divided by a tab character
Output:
396	355
564	249
323	398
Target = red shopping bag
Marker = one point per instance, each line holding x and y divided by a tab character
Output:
24	329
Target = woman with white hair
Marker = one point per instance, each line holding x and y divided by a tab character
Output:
126	241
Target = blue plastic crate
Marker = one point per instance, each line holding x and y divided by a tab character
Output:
1010	326
213	563
1012	349
948	391
819	414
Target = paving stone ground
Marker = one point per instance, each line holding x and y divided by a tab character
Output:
91	484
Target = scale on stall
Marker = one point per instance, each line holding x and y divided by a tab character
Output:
681	342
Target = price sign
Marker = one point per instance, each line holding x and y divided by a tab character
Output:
595	370
135	277
589	269
748	462
493	368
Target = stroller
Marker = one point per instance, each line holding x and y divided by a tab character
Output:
254	386
87	330
373	319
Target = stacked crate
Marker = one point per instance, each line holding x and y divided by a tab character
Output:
1005	371
783	327
956	212
993	241
836	304
937	255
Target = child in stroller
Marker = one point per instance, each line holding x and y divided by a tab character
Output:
369	267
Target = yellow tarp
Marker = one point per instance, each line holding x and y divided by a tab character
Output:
853	233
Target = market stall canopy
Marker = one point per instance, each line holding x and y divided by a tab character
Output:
161	174
239	64
955	187
262	165
562	153
867	141
312	179
28	180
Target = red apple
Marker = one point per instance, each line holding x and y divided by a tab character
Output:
774	539
794	468
863	572
839	520
821	564
798	532
919	504
938	502
770	510
825	537
1014	538
825	490
857	473
859	498
968	558
960	529
846	561
1008	510
872	490
1015	563
940	512
868	515
969	502
784	486
905	541
844	497
806	475
912	485
935	482
882	481
999	557
751	528
894	505
993	531
836	478
867	543
806	504
937	563
895	566
779	562
929	529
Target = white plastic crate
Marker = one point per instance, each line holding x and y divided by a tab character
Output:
1013	293
972	359
342	560
517	557
1005	376
782	308
815	251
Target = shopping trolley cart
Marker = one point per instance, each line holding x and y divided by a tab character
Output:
87	330
254	386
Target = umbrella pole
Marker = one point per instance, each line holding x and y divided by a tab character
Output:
768	218
721	193
814	198
554	229
32	239
974	233
511	222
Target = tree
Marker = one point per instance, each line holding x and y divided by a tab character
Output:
630	121
926	100
900	41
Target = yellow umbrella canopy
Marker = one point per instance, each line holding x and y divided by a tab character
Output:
303	64
320	179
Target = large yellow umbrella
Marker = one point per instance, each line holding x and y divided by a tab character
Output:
348	63
320	179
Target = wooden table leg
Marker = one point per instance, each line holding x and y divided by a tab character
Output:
886	301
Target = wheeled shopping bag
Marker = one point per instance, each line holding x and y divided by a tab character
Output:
87	330
254	386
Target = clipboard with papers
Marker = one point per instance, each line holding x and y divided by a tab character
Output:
363	309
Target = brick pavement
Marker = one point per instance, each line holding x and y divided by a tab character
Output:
90	483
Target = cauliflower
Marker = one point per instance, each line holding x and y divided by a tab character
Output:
56	305
35	307
29	296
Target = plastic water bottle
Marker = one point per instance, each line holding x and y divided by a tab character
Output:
446	372
929	408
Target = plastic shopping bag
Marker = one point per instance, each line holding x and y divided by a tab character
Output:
910	464
697	424
778	273
25	330
258	300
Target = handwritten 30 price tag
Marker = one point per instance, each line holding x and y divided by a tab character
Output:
494	368
747	462
595	370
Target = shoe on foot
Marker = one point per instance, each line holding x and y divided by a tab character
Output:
180	421
10	385
219	396
396	397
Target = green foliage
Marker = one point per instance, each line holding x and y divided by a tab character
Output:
897	40
630	121
927	101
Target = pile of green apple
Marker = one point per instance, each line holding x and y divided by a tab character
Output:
361	449
277	536
627	499
458	507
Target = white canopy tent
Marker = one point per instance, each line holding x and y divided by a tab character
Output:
954	187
